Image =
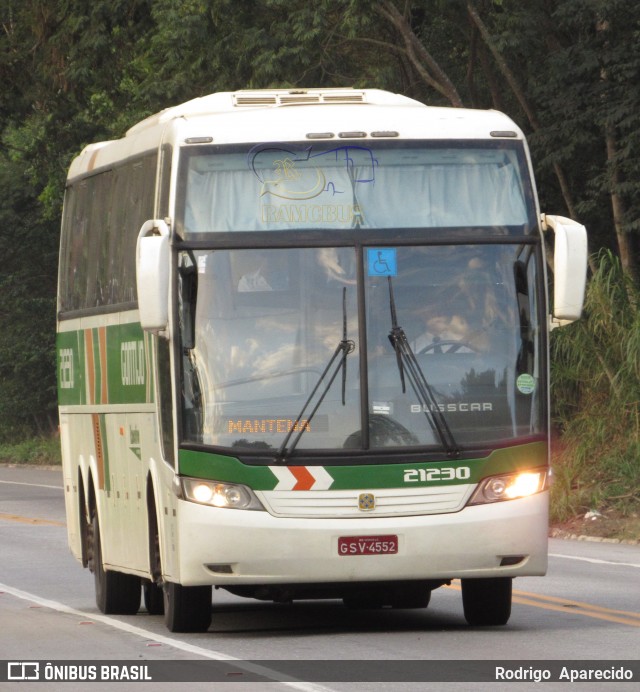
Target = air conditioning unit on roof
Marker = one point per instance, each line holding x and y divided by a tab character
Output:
293	97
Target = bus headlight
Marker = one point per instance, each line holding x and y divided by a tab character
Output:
224	495
510	486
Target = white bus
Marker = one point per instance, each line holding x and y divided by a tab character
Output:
302	353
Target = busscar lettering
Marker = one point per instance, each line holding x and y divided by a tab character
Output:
456	407
267	425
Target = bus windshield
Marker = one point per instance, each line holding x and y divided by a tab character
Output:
290	347
315	185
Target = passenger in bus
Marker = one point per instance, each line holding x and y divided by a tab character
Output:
260	271
252	282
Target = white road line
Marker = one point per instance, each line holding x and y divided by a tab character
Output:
168	641
595	561
34	485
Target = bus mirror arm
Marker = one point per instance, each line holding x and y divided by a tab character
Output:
152	275
570	268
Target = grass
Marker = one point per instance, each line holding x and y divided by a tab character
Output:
37	451
595	397
606	479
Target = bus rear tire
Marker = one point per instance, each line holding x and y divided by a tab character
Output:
187	608
487	602
153	597
116	593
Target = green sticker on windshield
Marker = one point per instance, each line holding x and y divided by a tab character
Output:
526	384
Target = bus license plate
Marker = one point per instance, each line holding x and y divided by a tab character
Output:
367	545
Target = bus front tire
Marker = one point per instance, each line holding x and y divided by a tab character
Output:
187	608
116	593
487	602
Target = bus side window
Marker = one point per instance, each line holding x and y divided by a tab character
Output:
71	251
99	293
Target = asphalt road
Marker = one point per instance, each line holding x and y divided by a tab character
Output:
587	608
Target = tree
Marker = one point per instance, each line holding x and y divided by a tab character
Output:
75	72
58	65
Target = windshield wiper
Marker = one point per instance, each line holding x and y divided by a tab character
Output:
408	362
343	349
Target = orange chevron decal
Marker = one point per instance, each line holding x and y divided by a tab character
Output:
304	479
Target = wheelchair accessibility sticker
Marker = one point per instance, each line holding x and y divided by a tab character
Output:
382	261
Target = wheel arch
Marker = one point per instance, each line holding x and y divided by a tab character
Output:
87	507
154	541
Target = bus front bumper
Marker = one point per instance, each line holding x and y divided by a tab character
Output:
230	547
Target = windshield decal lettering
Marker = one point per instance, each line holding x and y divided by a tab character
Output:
308	213
320	186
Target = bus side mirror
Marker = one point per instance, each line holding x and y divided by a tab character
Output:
152	275
570	268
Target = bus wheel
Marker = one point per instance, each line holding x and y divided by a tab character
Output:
487	601
151	589
187	608
116	593
153	597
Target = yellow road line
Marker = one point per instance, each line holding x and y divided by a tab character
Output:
30	520
590	611
568	606
577	604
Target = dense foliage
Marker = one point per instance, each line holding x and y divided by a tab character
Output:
596	395
567	71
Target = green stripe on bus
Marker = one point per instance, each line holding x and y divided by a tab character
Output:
95	341
71	371
223	468
117	369
517	458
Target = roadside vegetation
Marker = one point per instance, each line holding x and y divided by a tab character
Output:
37	450
595	366
564	70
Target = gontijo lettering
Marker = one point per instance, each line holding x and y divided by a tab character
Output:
132	362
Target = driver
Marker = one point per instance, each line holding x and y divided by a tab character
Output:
459	316
448	333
